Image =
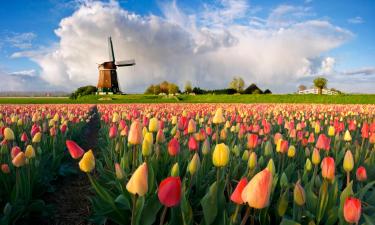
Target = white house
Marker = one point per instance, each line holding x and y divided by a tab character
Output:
316	91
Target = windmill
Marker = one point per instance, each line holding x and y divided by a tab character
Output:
108	82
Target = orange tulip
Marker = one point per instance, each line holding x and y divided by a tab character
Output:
135	134
328	168
352	210
19	160
361	174
257	192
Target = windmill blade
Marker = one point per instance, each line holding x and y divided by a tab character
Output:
130	62
110	50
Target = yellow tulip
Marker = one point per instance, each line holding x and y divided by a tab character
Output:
138	183
153	125
331	131
299	194
37	137
175	171
252	162
348	161
347	136
315	157
29	152
291	151
8	134
218	118
220	156
87	163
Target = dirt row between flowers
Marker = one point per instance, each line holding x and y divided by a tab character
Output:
70	202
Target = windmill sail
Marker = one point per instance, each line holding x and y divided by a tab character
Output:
110	50
130	62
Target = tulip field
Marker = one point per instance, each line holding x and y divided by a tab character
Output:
191	164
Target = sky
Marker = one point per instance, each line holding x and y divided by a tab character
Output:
54	45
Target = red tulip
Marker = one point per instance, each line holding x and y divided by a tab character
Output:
236	195
173	147
352	210
112	131
365	130
328	168
323	142
5	168
24	137
14	152
193	145
169	191
75	151
361	174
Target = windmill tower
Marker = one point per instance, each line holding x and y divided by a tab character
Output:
108	82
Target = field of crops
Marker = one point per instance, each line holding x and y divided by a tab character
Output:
192	163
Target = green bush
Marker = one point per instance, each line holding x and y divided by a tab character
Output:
82	91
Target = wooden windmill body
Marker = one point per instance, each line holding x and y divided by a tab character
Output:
108	81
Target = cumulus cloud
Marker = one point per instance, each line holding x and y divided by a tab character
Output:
276	52
23	81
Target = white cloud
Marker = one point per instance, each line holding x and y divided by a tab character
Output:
30	73
356	20
19	40
276	53
328	65
361	71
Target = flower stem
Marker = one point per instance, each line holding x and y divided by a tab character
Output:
133	209
247	214
163	215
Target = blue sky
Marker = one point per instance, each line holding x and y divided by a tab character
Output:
346	55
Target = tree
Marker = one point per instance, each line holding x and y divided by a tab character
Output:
172	88
302	87
188	87
164	87
237	83
320	83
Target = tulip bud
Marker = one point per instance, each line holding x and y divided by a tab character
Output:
348	161
282	204
138	182
87	163
271	166
252	163
8	134
160	138
29	152
328	168
206	147
252	141
220	156
291	151
19	160
245	155
236	151
175	171
317	128
308	165
299	194
147	144
257	192
284	181
268	148
192	127
192	144
218	118
347	136
236	195
5	168
352	210
120	173
14	151
169	191
361	174
194	164
315	157
24	137
153	125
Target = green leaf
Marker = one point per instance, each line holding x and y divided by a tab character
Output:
369	219
323	201
362	192
123	202
332	216
138	209
209	204
289	222
150	210
186	211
